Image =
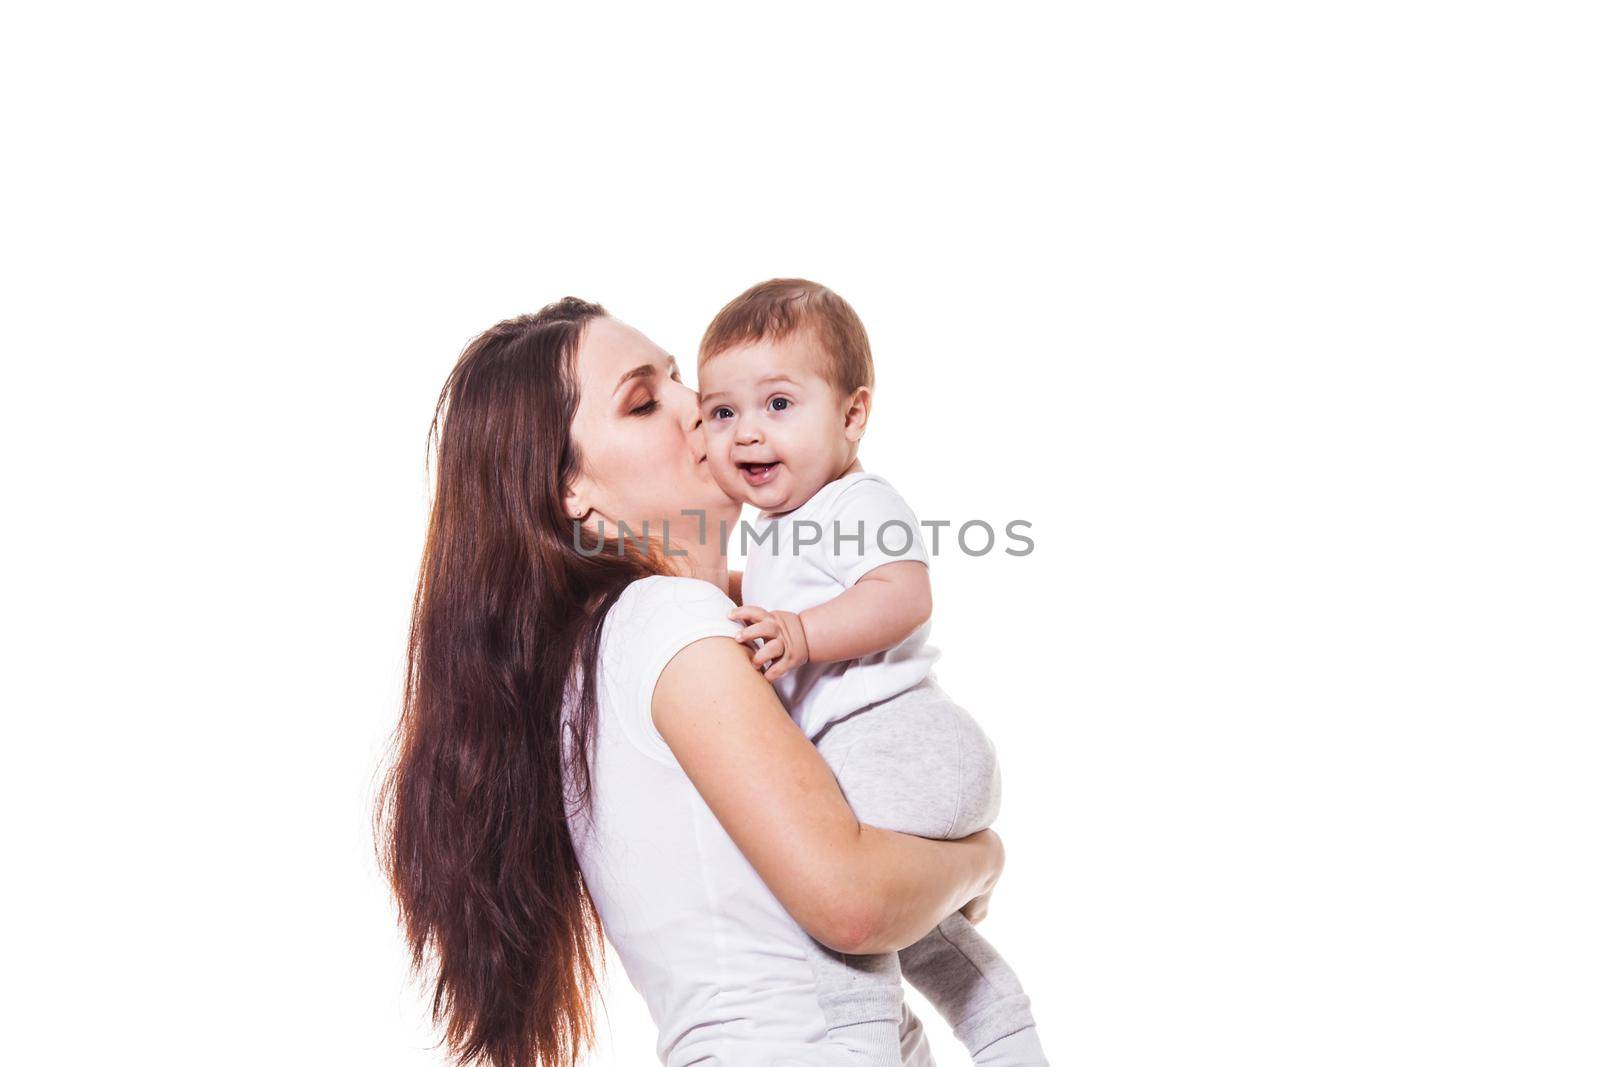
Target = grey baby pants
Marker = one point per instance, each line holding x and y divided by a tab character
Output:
919	764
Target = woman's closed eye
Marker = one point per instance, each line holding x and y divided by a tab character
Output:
645	408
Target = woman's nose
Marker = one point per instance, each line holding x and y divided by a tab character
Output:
688	403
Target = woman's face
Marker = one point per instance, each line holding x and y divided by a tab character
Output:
642	455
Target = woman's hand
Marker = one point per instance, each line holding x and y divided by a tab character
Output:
783	640
978	907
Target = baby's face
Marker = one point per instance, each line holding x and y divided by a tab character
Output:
775	428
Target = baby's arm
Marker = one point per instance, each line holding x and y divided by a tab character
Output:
879	611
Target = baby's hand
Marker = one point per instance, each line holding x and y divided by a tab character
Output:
783	639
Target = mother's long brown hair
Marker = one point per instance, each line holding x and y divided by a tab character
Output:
471	817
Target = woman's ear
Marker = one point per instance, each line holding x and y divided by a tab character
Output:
575	502
856	410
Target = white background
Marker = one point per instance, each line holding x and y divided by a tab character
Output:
1277	321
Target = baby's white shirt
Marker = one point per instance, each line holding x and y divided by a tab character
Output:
793	566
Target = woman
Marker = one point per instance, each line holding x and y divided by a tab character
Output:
583	741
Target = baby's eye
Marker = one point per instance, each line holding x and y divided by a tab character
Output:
781	403
722	413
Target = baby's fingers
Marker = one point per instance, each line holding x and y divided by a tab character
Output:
766	629
772	650
748	613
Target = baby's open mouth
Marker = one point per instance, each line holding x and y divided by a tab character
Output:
758	473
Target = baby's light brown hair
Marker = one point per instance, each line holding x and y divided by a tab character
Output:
776	309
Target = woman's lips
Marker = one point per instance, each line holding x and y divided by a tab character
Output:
758	473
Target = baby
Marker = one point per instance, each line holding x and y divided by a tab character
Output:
836	604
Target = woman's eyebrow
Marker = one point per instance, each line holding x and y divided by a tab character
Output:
645	370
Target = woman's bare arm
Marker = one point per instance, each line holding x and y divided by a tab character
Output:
855	888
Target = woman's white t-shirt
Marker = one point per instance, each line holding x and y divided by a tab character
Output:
720	963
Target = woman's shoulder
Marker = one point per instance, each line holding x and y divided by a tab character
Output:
656	616
672	586
653	620
668	600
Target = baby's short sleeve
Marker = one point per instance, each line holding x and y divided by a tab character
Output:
654	620
867	526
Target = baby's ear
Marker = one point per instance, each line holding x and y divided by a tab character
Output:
856	410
